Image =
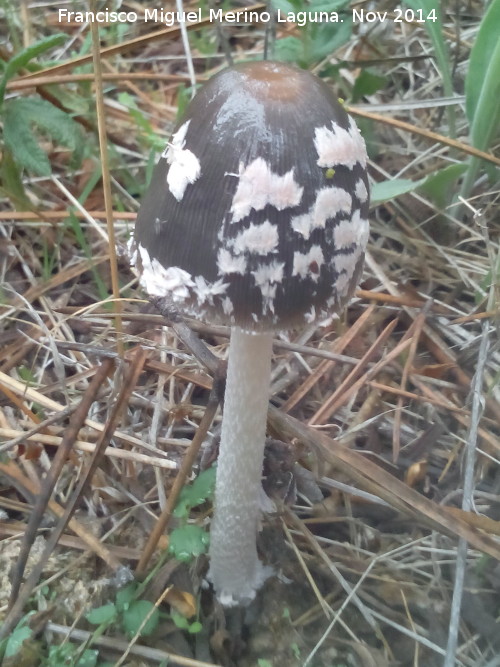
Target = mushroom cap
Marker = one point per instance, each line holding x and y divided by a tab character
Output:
257	213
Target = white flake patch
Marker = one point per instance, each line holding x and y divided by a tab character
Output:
329	203
206	291
159	281
360	191
185	167
258	186
363	228
229	263
342	283
302	263
339	146
345	233
259	239
268	292
227	306
347	262
310	316
132	250
266	278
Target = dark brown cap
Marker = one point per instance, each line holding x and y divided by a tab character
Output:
257	213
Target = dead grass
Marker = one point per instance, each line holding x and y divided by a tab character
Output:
376	412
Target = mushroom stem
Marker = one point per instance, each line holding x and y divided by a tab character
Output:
235	569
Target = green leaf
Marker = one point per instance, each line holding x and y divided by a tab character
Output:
485	66
367	83
65	654
88	658
386	190
438	186
100	615
19	117
16	639
436	33
83	243
326	38
288	49
196	493
182	623
11	181
125	596
179	620
482	90
483	58
133	617
195	627
187	542
22	143
22	58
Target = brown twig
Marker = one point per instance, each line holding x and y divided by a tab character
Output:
106	179
427	134
47	486
185	469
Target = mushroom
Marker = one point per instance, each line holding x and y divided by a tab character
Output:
256	217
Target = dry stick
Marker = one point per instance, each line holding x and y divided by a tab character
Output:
30	489
294	520
50	479
223	40
17	528
188	337
461	559
381	483
128	386
187	463
326	366
386	388
375	479
335	400
26	435
33	395
90	447
148	654
26	487
131	44
433	136
106	180
341	400
20	404
396	431
458	413
327	610
20	83
146	618
475	316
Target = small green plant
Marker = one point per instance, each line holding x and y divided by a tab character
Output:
196	493
146	134
132	614
317	40
11	646
182	623
21	116
70	655
25	118
188	541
